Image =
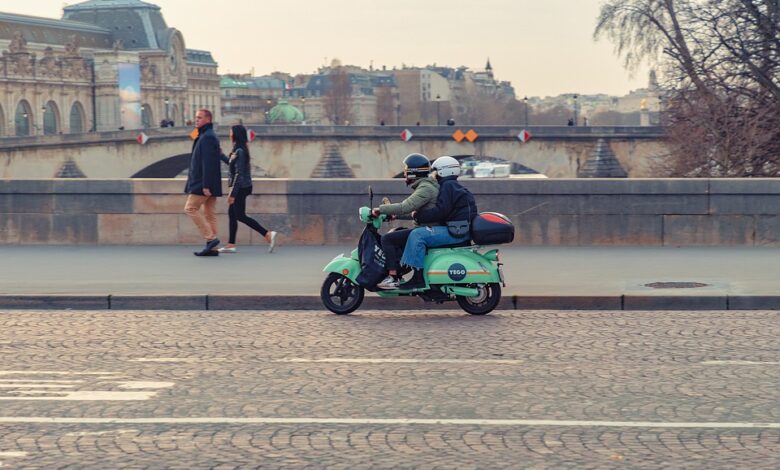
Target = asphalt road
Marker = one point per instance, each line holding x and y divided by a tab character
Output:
537	389
297	270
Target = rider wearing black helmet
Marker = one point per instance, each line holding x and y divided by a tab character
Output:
426	190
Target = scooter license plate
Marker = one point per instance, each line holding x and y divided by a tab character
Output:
501	274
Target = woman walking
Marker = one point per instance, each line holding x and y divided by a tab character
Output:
240	182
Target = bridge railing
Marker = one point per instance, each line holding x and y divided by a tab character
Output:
389	132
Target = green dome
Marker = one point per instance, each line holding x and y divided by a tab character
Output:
227	82
285	112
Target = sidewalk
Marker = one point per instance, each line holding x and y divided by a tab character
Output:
170	277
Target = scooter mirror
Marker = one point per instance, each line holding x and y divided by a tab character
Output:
370	196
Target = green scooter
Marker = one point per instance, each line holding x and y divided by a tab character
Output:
460	273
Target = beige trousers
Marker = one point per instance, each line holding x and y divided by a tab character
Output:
205	220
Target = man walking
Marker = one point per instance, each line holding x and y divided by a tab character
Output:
204	182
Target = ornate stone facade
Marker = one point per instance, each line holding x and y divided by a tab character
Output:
61	76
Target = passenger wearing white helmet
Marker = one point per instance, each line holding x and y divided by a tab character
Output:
448	221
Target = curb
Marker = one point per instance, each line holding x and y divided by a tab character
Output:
313	303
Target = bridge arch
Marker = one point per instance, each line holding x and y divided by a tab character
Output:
23	118
170	167
51	118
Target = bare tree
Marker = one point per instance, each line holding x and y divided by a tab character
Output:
385	104
721	66
338	98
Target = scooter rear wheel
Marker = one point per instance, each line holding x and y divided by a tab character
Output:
485	302
340	295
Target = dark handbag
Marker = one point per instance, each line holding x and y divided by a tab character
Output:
372	259
458	228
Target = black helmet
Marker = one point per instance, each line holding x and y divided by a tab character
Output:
416	166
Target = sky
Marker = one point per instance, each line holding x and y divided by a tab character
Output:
544	47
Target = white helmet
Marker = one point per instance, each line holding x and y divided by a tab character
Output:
446	166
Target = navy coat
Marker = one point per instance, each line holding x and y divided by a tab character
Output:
205	164
454	203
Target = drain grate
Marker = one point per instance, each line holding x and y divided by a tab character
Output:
675	285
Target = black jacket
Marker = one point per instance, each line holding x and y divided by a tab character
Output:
454	203
204	164
239	171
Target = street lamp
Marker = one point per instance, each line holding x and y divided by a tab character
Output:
661	109
525	106
575	110
166	107
438	102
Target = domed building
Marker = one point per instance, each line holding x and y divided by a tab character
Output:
285	113
106	65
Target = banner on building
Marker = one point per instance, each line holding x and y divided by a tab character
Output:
130	96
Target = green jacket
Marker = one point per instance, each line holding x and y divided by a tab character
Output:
426	191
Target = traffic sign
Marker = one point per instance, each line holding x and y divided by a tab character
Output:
251	135
458	136
194	134
471	135
524	136
142	138
406	135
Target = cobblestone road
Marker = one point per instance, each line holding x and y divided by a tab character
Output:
380	390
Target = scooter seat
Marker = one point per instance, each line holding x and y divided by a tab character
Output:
453	245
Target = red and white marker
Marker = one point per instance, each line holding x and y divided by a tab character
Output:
142	138
251	135
524	136
406	135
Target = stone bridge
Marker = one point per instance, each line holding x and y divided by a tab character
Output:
325	151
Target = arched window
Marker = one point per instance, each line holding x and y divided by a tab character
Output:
147	119
76	118
23	118
51	118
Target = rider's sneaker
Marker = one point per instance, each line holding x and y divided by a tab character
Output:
416	282
389	283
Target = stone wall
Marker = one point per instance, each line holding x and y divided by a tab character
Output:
571	212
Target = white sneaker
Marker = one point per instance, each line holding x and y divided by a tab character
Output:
226	249
389	283
272	242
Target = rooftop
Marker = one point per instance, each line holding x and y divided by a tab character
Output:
109	4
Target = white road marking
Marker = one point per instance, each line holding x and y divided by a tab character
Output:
100	433
390	360
740	363
40	381
53	372
34	385
392	421
22	388
13	454
166	359
86	395
145	385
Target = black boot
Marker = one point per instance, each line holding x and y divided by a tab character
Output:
416	282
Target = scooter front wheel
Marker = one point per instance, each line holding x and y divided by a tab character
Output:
340	295
485	302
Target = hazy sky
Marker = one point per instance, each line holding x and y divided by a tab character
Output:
544	47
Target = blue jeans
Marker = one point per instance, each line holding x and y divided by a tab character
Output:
422	237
